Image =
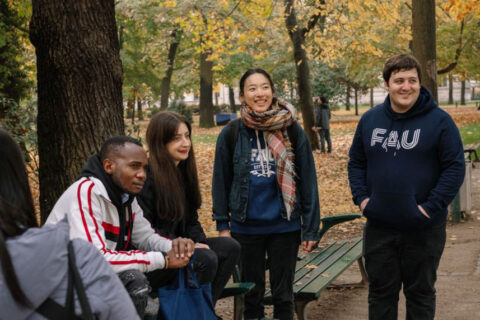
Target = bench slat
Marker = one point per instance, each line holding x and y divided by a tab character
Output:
312	291
330	263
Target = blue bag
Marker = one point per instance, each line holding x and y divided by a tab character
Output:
185	299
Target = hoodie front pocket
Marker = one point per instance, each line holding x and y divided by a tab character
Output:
395	209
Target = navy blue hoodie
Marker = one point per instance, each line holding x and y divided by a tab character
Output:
401	160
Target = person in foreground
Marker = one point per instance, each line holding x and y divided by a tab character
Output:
102	208
265	192
406	165
171	197
34	261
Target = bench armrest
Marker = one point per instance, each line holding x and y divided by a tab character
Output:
328	222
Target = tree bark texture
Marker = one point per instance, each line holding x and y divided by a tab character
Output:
450	88
172	52
347	100
424	41
371	98
462	93
231	98
79	76
356	100
297	35
206	92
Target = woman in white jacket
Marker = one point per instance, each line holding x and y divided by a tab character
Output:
34	261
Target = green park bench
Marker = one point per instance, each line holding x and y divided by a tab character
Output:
471	150
317	269
314	271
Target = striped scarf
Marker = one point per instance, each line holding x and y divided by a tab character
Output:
274	123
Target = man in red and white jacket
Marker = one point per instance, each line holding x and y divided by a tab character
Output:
102	209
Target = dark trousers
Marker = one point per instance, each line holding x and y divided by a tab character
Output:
281	250
325	135
394	258
137	287
213	265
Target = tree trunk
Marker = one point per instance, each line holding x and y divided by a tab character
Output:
139	109
231	98
450	88
206	91
371	98
356	100
462	93
423	42
172	51
135	97
303	72
79	75
347	100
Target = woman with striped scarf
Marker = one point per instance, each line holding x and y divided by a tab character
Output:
265	193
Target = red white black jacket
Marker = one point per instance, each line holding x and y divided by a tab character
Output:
93	216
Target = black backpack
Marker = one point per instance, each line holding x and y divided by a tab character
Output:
232	134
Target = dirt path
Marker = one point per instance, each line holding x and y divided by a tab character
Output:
458	284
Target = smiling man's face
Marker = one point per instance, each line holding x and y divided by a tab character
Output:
404	89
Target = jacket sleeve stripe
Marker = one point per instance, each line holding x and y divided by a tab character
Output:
129	262
91	214
81	210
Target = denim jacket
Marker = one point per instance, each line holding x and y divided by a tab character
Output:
231	180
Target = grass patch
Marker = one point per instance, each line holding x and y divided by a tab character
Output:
204	138
470	133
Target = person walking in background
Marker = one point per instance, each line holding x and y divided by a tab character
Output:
171	197
406	165
34	261
322	123
265	192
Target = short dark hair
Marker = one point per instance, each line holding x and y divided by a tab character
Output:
324	99
249	72
114	144
400	62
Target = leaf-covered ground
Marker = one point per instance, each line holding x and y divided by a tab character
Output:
335	196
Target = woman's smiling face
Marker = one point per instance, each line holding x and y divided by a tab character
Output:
257	92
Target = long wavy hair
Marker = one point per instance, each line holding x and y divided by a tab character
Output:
176	187
17	212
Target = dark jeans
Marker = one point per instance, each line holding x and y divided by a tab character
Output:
281	250
325	135
394	258
213	265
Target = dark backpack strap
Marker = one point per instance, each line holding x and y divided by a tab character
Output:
232	134
78	284
54	311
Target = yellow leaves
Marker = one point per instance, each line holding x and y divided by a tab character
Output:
459	9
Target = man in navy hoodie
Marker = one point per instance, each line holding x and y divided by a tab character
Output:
406	165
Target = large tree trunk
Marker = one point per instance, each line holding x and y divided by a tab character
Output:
206	91
79	75
303	72
423	42
172	51
462	93
450	88
231	98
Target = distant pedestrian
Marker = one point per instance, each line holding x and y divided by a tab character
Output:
322	123
406	165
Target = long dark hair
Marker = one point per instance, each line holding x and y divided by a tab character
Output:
175	187
17	212
249	72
